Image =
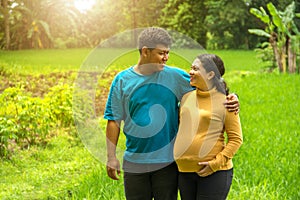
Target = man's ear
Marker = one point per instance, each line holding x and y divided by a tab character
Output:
210	75
144	51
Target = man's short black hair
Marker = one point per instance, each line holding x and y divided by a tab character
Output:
151	37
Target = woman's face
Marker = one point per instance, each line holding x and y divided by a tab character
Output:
198	75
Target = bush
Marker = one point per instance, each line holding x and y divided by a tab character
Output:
26	120
59	102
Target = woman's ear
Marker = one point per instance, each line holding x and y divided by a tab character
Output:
210	75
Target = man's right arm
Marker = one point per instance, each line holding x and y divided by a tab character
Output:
112	137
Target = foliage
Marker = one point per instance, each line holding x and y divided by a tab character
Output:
224	23
283	34
186	17
58	24
27	120
59	103
24	120
265	54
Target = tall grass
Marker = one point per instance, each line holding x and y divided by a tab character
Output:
266	167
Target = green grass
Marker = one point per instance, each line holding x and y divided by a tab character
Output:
46	172
239	60
266	166
47	61
42	61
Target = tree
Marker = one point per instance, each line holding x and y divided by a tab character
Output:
27	28
58	24
64	21
42	23
5	10
227	23
282	32
186	17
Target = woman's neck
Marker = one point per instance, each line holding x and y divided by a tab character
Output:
209	86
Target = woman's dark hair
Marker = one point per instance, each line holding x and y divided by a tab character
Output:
212	62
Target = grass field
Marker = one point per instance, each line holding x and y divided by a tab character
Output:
44	61
266	166
47	61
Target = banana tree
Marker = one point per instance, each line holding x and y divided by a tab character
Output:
39	23
27	27
282	33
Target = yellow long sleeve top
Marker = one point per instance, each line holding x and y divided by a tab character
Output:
200	138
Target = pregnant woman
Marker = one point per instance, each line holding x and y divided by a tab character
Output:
208	136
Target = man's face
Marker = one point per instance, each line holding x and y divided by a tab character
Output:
157	57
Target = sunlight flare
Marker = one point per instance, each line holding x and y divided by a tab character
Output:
84	5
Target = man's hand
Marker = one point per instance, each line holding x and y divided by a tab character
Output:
205	169
232	103
113	168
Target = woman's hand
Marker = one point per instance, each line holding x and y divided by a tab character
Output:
205	169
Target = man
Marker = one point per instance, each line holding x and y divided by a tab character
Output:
146	97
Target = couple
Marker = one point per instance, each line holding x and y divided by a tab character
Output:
146	97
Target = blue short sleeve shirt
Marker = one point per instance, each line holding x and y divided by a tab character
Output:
148	105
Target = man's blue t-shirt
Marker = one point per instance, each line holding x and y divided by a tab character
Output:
149	107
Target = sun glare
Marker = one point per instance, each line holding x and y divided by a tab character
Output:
84	5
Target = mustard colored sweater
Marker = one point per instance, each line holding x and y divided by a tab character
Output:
203	121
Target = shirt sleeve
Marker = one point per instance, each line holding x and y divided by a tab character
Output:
184	83
235	140
114	109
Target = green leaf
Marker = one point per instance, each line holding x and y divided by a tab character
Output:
259	32
261	14
277	20
46	28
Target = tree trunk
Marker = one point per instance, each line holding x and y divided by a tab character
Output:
277	55
291	58
6	24
283	57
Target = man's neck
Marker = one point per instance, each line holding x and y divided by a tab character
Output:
143	69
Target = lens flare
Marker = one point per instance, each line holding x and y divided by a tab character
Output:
84	5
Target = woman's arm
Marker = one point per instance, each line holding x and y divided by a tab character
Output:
235	140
